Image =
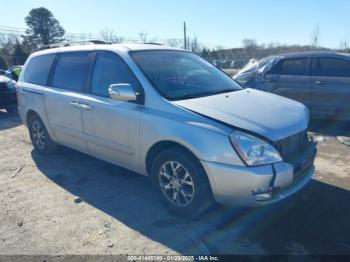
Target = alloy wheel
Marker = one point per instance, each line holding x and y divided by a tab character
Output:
176	183
38	133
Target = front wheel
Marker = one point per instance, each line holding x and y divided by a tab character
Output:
181	182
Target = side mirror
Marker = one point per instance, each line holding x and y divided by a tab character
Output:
122	92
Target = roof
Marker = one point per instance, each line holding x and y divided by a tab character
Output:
314	53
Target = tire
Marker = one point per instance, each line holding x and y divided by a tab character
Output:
185	192
12	110
39	136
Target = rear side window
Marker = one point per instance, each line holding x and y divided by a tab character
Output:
71	70
38	69
295	66
333	67
110	69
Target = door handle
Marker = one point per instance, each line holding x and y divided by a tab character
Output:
321	82
81	106
74	103
85	107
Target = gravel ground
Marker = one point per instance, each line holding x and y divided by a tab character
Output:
71	203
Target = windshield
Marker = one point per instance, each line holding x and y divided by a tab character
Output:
254	65
181	75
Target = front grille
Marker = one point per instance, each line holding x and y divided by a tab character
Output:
289	147
297	150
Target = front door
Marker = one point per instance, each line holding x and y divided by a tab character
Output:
111	127
331	92
289	78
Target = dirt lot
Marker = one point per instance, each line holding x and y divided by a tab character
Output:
71	203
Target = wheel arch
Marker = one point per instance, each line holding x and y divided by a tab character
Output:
159	147
30	113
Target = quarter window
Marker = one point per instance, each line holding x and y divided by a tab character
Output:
110	69
333	67
71	70
295	66
38	69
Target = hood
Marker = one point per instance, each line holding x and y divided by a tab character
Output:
4	79
265	114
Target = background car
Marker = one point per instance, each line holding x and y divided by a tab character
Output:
13	72
8	97
320	80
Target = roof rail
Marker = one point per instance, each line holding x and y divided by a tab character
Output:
75	43
152	43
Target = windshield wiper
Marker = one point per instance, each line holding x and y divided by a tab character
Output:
223	91
190	96
186	96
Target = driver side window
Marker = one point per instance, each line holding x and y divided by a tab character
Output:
110	69
292	66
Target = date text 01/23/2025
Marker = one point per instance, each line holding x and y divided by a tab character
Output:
173	258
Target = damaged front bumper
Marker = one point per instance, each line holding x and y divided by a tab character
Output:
255	186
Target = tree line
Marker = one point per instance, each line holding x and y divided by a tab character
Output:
44	29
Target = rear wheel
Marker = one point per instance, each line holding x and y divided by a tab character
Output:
181	182
39	136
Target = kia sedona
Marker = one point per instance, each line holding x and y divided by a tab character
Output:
168	114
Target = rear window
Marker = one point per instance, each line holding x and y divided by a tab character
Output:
71	70
38	69
333	67
295	66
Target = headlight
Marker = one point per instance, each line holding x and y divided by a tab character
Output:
254	151
11	85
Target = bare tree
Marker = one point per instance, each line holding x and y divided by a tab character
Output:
194	44
315	37
344	44
173	42
251	47
143	37
110	36
7	44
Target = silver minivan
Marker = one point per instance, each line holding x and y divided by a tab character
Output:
168	114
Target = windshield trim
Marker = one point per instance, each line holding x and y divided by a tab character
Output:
131	52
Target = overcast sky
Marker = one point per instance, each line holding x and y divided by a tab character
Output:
220	22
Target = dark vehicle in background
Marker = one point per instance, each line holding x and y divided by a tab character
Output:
13	72
229	64
320	80
8	97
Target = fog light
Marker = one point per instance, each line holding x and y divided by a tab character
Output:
262	194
